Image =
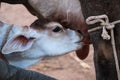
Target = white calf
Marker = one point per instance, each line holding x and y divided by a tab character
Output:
24	46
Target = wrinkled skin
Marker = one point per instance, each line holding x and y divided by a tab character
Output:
66	12
103	55
8	72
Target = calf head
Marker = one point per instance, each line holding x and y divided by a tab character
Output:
27	45
57	40
66	12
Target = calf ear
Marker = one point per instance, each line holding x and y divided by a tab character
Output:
17	44
83	53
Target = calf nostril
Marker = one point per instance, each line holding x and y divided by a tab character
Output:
80	34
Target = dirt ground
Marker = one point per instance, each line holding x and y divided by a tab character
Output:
63	67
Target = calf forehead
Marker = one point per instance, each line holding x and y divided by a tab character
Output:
42	25
53	25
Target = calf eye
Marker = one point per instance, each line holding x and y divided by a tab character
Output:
57	29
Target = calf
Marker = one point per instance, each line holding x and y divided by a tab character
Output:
24	46
66	12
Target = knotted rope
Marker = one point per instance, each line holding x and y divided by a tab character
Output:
106	25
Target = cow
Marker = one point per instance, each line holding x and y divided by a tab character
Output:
103	53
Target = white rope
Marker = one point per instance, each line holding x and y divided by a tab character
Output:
106	25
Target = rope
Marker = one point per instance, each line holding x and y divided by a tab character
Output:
106	25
